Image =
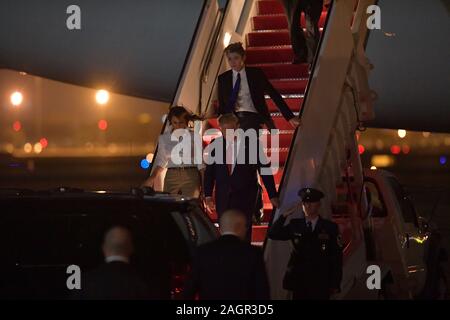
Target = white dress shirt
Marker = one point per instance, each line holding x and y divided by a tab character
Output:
166	145
244	100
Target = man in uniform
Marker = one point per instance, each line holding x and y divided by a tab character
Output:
315	267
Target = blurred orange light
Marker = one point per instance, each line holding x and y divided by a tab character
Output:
28	147
16	98
103	125
17	126
102	97
395	149
37	148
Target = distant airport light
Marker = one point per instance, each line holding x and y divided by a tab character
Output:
226	39
16	98
406	149
426	134
395	149
27	147
9	148
373	168
149	157
103	125
17	126
382	161
401	133
443	160
145	164
37	148
379	144
144	118
361	149
102	97
112	148
447	141
44	143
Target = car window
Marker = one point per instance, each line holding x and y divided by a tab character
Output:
406	206
34	257
375	201
38	248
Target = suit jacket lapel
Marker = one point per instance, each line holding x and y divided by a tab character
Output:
225	158
251	83
229	84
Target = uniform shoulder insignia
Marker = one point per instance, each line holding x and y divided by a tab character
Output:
339	241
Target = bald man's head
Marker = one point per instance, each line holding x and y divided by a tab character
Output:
234	221
118	242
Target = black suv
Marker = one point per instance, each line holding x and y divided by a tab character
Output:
42	233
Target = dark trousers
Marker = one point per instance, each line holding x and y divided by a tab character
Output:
251	120
304	47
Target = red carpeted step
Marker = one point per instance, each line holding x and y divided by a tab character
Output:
281	123
289	86
270	7
269	54
259	234
293	103
283	70
279	21
268	38
284	139
282	154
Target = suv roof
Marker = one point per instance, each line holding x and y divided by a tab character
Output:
75	193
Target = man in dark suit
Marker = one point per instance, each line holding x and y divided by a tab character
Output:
232	174
242	90
304	48
116	279
314	270
228	268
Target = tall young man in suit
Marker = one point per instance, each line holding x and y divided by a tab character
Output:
235	181
228	268
242	90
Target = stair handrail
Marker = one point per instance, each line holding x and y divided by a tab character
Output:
333	60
